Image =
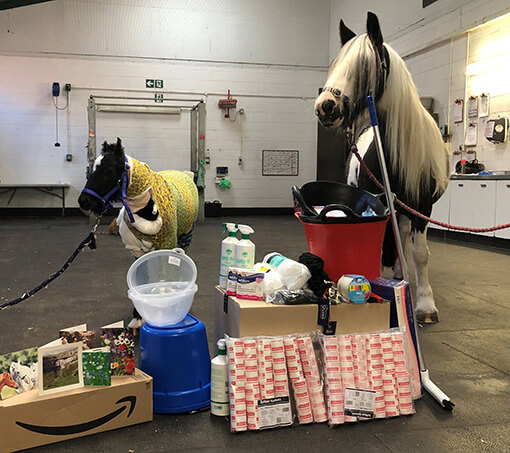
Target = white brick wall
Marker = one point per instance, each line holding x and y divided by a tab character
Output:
277	49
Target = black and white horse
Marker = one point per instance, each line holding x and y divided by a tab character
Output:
160	208
415	153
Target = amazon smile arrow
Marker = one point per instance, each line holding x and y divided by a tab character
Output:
82	427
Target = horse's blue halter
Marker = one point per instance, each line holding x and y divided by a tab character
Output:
105	200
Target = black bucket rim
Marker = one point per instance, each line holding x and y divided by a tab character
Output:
309	215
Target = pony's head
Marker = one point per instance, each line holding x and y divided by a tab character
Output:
105	177
361	68
365	65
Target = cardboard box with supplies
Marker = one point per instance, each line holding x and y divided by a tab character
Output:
241	318
29	420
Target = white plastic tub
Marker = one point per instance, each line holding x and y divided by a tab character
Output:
164	309
162	286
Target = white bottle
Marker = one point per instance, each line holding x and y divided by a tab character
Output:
228	250
294	274
245	249
219	382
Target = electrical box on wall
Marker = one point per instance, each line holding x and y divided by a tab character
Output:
221	172
496	130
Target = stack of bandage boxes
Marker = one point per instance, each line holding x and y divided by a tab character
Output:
298	381
313	378
362	377
262	372
237	385
372	365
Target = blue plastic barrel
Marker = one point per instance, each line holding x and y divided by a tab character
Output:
177	358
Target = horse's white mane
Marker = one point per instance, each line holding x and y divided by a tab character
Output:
417	151
416	145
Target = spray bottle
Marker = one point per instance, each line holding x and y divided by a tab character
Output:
228	247
245	249
219	381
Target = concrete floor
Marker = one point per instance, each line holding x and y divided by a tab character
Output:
467	352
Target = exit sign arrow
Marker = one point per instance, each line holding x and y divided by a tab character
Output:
149	83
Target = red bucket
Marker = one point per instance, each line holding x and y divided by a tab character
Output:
347	248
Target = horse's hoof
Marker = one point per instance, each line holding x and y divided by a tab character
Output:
427	318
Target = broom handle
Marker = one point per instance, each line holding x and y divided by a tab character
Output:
427	383
394	222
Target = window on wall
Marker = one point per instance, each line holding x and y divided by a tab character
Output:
428	2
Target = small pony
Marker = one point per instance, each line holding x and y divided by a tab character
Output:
160	208
416	157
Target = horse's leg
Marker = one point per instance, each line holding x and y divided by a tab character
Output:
404	228
426	310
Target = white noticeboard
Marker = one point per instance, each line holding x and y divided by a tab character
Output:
280	163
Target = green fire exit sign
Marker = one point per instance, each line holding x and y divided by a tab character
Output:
153	83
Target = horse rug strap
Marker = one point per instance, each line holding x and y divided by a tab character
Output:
184	240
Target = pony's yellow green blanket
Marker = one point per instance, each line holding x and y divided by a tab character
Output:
176	197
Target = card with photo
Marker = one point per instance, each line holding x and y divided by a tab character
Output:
78	333
60	367
18	372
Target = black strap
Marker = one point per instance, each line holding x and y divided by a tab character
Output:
90	240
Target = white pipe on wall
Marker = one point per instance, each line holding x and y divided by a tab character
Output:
138	109
194	93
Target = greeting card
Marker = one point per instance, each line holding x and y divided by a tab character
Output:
18	372
96	366
60	367
78	333
122	347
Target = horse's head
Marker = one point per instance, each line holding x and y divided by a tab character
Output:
104	178
360	69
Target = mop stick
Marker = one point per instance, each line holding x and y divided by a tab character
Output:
427	383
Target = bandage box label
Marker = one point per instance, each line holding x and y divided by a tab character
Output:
275	412
359	403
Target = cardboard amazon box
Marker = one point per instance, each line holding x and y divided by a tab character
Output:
29	420
245	318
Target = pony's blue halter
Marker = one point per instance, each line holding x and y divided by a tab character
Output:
105	200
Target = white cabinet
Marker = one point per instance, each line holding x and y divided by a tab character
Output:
441	209
473	204
503	207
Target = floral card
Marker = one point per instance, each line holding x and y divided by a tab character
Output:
96	366
78	333
18	372
122	347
